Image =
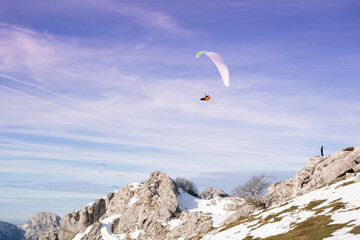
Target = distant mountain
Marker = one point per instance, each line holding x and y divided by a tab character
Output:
322	201
10	231
39	223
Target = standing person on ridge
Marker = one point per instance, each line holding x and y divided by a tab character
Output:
322	151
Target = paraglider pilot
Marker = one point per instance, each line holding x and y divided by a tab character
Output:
322	151
206	98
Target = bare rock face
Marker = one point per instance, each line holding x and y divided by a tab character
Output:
192	224
319	172
77	221
210	193
39	223
145	207
137	211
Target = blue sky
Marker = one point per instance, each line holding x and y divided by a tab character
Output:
116	82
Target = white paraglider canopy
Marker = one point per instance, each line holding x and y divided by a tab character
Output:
220	64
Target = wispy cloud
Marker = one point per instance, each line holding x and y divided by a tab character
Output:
144	17
295	6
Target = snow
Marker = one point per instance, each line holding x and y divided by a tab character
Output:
89	204
173	223
136	233
343	234
215	206
80	235
132	201
347	194
106	232
134	186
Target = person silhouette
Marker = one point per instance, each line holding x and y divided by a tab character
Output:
322	151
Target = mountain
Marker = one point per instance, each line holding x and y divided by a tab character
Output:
322	201
39	223
10	231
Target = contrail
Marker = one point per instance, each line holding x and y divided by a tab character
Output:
41	88
109	114
27	95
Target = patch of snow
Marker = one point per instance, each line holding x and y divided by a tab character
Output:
89	204
132	201
136	233
193	204
342	234
173	223
346	194
79	236
106	225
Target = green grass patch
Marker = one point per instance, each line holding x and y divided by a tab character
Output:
313	204
275	215
355	230
336	200
345	184
248	238
334	206
352	209
314	228
238	221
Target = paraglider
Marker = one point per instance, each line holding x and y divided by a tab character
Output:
103	165
206	98
220	64
113	186
120	175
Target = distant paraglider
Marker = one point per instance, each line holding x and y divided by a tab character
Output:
220	64
120	175
113	186
102	165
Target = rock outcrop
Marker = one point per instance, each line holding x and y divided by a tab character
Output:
10	231
210	193
39	223
145	207
319	172
77	221
136	211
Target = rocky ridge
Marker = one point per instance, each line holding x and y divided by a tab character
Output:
158	209
319	172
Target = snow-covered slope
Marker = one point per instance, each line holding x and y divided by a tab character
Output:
330	213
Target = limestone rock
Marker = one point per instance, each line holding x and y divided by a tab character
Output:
145	207
77	221
210	193
39	223
191	224
357	179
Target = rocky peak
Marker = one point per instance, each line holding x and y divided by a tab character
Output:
145	207
39	223
210	193
319	172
